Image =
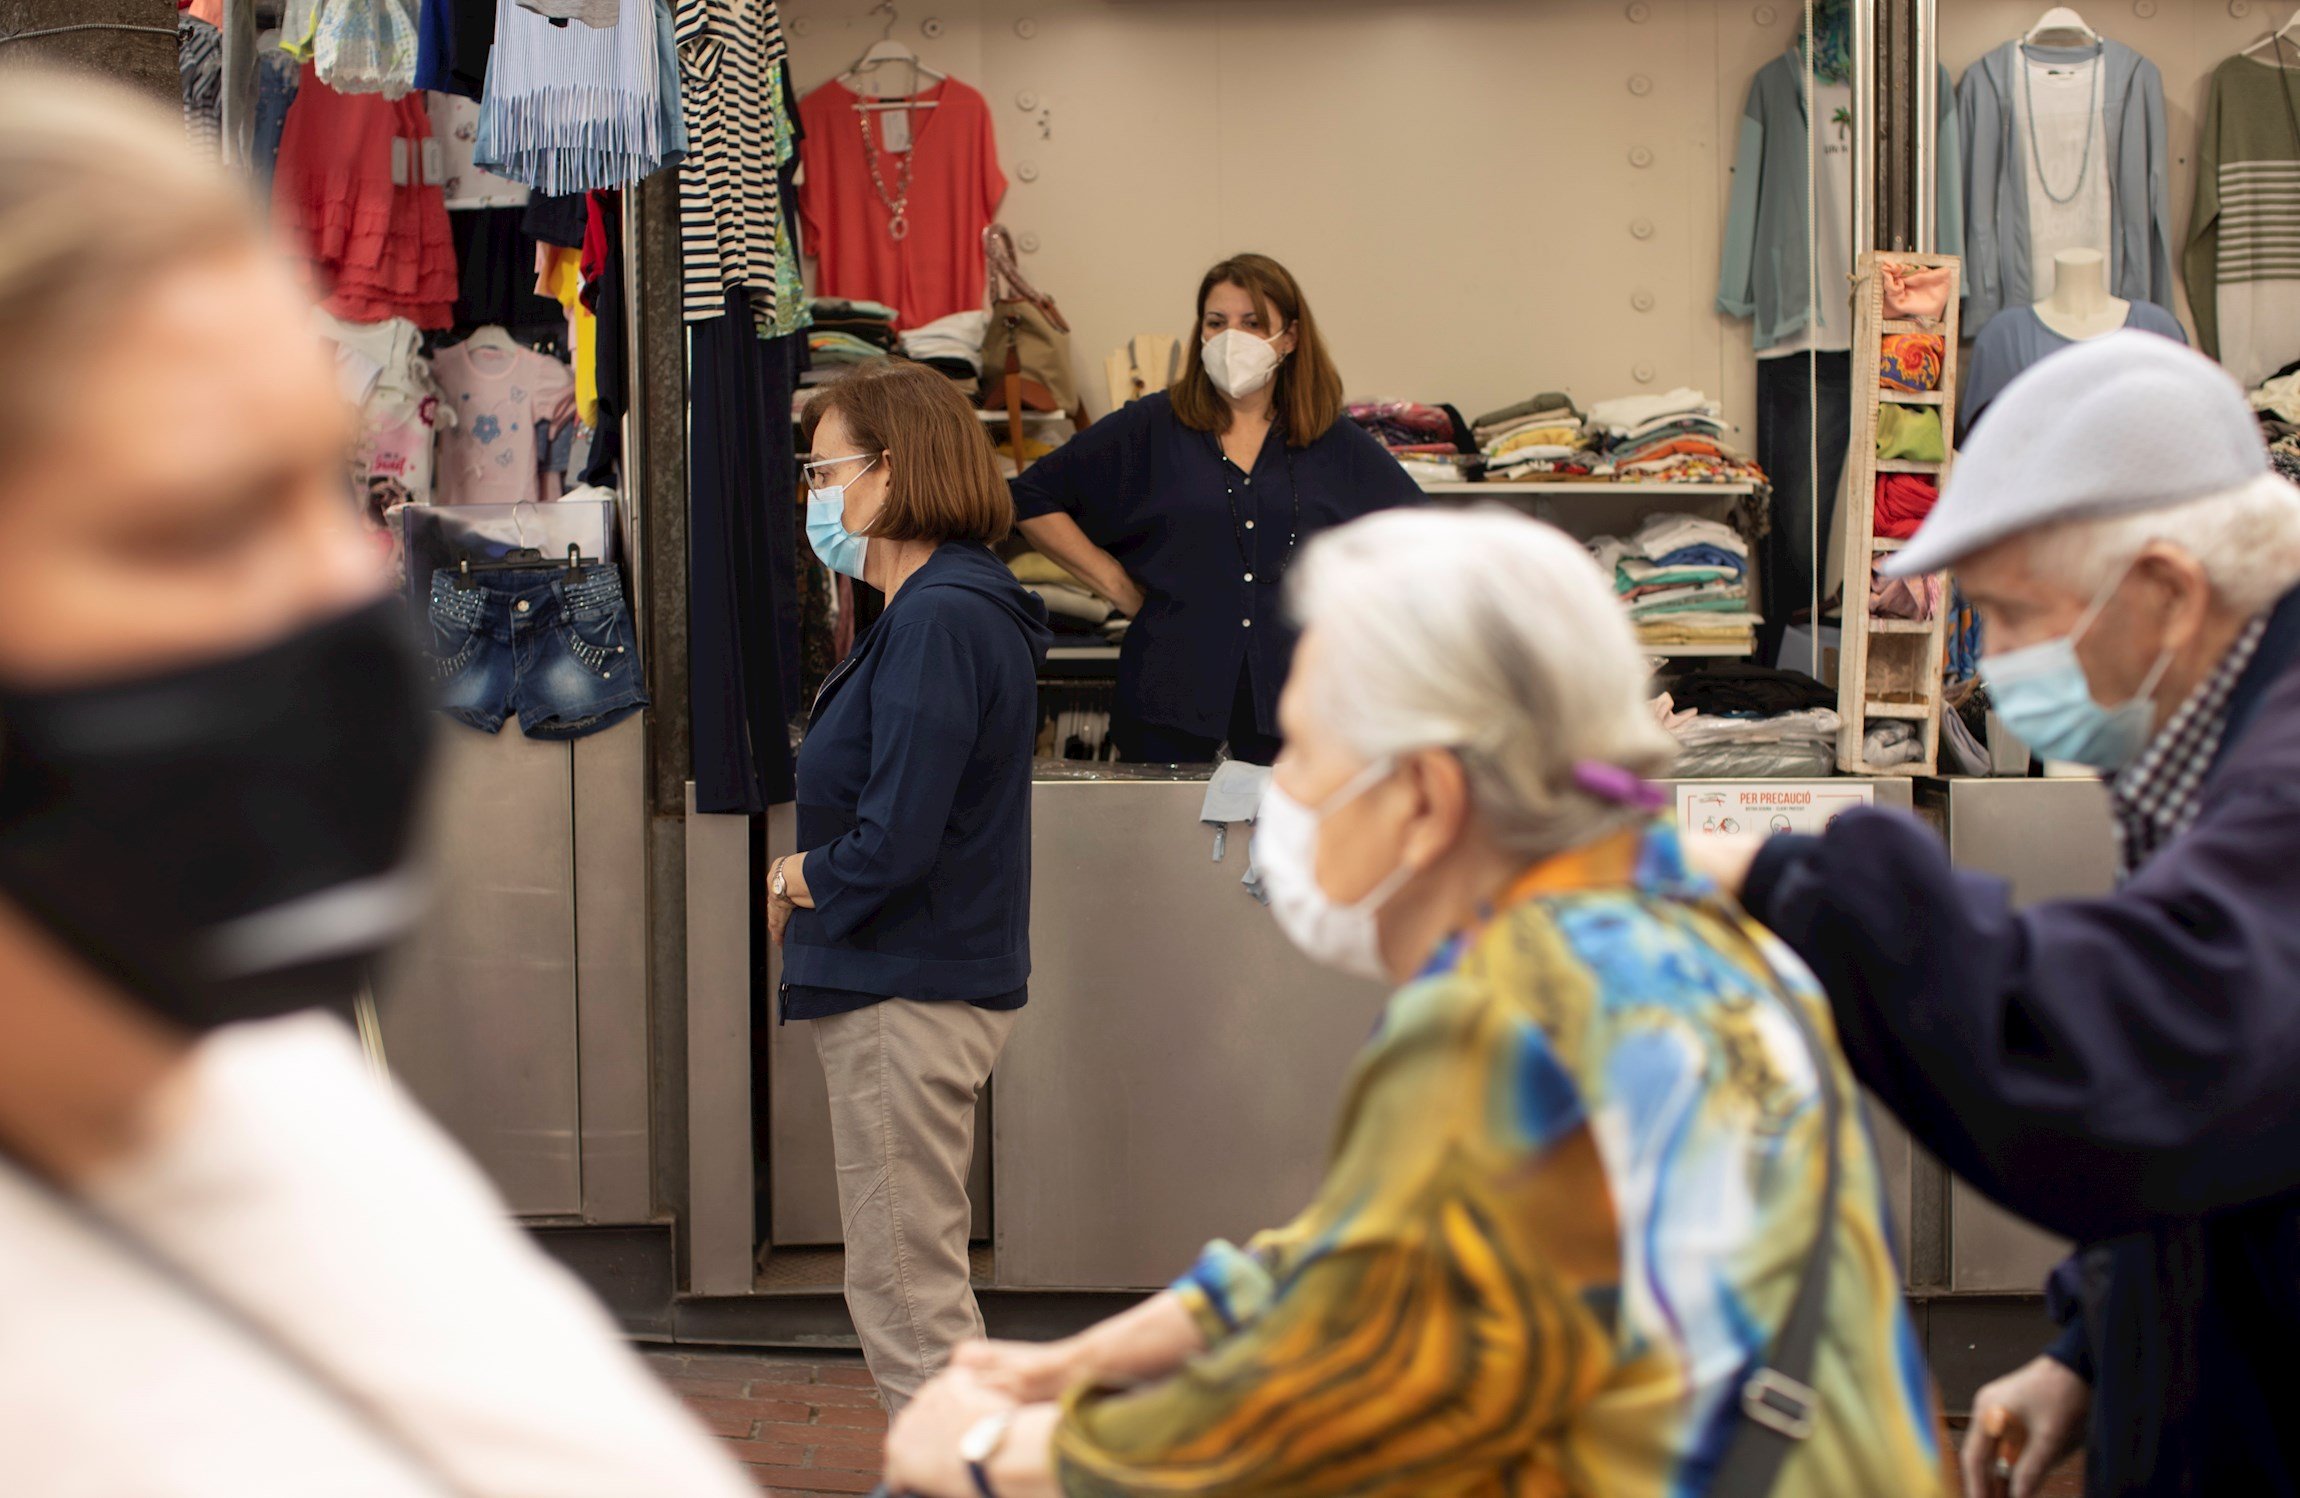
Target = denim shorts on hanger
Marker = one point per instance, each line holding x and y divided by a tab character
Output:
560	653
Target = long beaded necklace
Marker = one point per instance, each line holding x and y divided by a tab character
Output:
2091	124
897	203
1239	524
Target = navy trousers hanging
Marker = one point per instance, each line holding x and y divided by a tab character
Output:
1795	406
742	579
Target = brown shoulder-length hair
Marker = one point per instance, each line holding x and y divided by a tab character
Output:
1309	388
942	479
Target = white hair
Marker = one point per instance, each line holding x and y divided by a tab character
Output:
1491	635
2247	540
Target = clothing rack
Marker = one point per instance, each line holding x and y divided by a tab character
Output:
1890	669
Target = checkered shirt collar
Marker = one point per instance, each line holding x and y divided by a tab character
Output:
2157	796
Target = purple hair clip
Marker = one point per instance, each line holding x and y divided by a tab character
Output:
1612	783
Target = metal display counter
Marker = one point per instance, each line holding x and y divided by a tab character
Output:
517	1014
1179	1071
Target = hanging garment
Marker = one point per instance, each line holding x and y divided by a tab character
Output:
200	70
731	56
367	46
2018	338
1766	270
495	265
569	108
2064	155
277	75
349	192
1803	404
2128	161
559	275
2243	258
927	261
505	400
742	565
462	182
1831	326
597	14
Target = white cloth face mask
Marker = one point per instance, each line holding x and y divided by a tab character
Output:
1343	937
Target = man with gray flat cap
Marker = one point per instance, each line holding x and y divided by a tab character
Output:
2124	1070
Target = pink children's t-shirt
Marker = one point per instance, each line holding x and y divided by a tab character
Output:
505	401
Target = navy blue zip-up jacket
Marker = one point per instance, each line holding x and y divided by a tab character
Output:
2123	1070
914	798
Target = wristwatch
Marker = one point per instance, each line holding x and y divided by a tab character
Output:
980	1444
776	885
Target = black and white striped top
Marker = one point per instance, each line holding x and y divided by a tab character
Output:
731	54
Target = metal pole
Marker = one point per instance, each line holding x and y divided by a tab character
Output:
1928	124
239	95
1864	127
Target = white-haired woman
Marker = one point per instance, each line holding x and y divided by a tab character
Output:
1599	1190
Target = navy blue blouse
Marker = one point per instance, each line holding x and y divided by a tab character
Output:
1209	546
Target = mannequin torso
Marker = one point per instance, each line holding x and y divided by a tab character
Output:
2080	306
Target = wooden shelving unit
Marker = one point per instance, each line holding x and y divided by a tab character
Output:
1890	669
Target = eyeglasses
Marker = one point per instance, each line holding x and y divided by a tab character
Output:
817	471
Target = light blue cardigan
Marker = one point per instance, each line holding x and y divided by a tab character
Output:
1766	265
1996	197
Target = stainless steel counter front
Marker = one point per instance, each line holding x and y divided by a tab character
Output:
1178	1071
2051	840
1180	1068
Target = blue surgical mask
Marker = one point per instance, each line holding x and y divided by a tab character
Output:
2041	693
840	549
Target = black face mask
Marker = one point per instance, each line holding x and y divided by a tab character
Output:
229	841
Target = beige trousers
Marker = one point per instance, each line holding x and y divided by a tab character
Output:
903	1080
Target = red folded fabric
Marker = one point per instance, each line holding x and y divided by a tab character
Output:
1903	502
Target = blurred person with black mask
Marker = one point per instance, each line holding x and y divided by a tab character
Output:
231	1261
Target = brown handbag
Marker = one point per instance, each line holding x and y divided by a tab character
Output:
1026	356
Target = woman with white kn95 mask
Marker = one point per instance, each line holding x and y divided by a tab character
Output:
1186	509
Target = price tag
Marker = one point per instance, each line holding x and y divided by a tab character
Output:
897	125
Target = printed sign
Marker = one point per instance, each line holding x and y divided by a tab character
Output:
1766	807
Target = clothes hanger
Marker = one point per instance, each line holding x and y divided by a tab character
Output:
885	50
2275	38
2059	20
520	558
493	337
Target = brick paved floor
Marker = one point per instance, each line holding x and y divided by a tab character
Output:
811	1427
806	1428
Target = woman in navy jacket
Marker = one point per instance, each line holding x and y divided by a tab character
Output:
905	922
1185	509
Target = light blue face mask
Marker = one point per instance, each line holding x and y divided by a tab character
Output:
840	549
2041	693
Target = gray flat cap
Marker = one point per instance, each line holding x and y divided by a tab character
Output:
2112	426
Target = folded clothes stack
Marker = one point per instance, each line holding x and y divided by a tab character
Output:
1674	438
1422	438
1903	502
1543	438
847	332
1684	580
1742	720
950	346
1072	612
